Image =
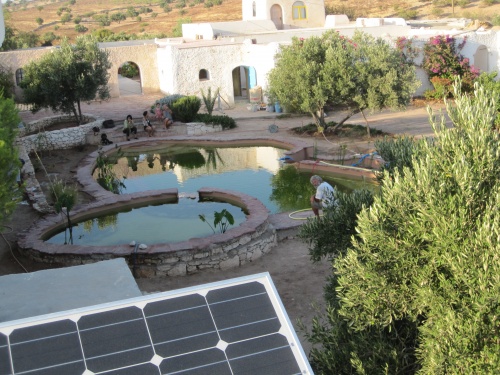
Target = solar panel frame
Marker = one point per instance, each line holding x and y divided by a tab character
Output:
235	326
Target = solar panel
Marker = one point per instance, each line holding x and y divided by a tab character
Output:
236	326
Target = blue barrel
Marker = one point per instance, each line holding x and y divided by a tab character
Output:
277	107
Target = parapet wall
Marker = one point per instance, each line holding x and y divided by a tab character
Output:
56	139
235	247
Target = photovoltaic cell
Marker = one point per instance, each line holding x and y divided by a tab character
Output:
233	327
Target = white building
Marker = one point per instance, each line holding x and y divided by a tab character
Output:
237	56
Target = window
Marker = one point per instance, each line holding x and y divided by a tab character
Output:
19	76
203	76
299	11
254	9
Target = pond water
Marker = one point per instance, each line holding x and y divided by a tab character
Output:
255	171
163	223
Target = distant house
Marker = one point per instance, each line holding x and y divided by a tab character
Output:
237	56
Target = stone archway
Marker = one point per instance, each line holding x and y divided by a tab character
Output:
129	79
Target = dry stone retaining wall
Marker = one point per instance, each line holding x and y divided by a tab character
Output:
200	128
56	139
235	247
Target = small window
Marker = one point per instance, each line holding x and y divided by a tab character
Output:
19	76
254	9
299	11
203	75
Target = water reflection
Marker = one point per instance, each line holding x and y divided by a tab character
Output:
254	171
152	224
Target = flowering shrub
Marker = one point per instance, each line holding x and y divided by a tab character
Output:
407	48
442	59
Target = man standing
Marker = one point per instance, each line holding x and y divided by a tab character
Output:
324	194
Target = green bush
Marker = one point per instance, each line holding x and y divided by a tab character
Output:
6	82
408	14
169	100
331	235
226	121
186	108
129	70
417	290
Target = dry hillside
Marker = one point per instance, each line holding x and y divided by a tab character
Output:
23	15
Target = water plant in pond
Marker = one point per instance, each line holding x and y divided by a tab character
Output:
222	220
65	198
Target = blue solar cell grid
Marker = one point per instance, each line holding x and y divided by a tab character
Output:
224	330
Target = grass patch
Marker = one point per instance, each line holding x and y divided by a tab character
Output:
345	131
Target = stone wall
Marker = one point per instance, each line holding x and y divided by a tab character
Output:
200	128
56	139
235	247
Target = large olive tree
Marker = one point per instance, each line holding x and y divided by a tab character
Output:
417	291
359	73
64	78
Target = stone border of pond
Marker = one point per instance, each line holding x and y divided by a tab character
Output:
237	246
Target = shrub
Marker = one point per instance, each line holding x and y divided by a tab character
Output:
186	108
350	11
168	100
129	70
225	121
408	14
442	59
331	235
80	28
6	82
463	3
209	99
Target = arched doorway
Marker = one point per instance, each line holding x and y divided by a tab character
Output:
277	16
244	78
481	58
129	79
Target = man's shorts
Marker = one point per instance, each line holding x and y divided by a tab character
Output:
317	205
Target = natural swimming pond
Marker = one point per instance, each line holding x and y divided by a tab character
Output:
256	171
160	223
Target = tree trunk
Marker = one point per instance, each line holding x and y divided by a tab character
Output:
319	118
349	115
80	117
76	115
367	124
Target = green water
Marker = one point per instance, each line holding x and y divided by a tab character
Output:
152	224
255	171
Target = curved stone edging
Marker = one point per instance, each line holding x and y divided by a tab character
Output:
233	248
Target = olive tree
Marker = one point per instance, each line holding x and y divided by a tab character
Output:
417	290
9	161
64	78
360	73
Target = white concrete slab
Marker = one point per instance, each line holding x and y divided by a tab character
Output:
44	292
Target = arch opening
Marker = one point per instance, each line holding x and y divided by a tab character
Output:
129	79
